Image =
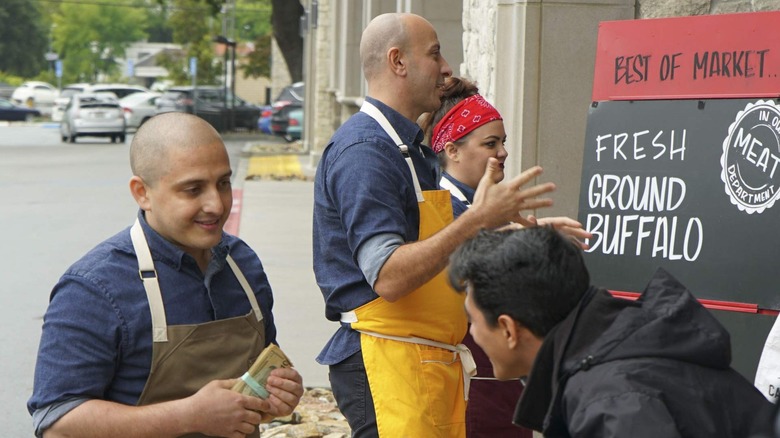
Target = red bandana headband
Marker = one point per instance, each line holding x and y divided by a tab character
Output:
468	115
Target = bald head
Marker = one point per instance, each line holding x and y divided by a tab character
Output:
383	33
160	134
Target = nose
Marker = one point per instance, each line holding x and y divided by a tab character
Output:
446	71
502	152
213	202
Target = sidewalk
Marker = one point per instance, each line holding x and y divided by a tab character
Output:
275	219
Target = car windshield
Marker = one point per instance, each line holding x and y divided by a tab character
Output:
291	93
68	92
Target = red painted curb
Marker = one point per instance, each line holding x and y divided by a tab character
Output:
234	219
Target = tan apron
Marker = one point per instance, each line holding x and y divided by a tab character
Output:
187	357
417	370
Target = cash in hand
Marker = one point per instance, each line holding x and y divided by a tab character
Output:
253	381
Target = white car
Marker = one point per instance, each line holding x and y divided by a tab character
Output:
93	115
138	108
119	90
64	97
35	94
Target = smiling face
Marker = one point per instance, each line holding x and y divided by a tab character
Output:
466	161
189	198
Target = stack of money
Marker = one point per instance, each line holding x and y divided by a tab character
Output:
253	382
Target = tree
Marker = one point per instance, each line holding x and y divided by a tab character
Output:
89	37
195	32
23	38
285	19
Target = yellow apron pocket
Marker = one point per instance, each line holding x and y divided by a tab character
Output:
442	378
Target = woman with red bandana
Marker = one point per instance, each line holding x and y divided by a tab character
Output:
465	132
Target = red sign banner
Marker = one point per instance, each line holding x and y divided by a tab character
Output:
700	57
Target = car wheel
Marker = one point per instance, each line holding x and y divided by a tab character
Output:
121	138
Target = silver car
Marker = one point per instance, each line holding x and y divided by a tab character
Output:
93	115
138	108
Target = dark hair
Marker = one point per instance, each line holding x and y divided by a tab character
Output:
535	275
455	89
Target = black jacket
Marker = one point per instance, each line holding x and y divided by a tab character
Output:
655	367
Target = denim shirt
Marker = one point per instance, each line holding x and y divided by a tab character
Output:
97	332
458	206
363	188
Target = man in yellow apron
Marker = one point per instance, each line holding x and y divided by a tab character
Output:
145	335
382	238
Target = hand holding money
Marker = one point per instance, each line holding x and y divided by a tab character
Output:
253	381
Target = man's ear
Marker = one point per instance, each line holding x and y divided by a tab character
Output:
452	152
513	332
396	61
140	192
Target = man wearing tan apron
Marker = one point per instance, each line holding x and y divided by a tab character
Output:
145	334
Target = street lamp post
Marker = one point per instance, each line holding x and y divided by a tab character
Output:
230	45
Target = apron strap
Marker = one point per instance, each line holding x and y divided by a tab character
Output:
247	289
448	185
380	118
149	278
148	275
468	365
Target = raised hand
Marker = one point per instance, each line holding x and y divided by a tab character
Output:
501	203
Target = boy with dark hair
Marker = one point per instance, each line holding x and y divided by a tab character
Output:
597	365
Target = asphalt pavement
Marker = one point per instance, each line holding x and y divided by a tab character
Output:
274	201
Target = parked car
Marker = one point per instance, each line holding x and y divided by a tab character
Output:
264	122
138	108
294	125
35	94
93	115
6	90
210	106
119	90
291	97
11	112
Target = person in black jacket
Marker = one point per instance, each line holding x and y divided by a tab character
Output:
595	365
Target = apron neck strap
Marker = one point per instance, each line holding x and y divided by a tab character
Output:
446	184
148	275
380	118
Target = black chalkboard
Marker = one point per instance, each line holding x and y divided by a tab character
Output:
691	186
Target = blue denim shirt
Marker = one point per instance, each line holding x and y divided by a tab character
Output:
458	206
363	188
97	332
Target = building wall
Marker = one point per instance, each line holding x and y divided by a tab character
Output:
532	58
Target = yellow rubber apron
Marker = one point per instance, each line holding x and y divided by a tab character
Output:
187	357
417	370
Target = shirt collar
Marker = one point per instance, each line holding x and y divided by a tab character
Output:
467	191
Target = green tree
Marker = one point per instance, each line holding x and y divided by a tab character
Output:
194	31
23	38
89	37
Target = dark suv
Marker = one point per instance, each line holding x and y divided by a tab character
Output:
210	106
290	98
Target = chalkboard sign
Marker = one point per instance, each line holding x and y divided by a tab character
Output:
688	185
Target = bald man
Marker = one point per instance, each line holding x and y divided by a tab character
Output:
383	234
145	335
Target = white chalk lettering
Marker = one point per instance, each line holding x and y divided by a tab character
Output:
671	145
658	236
650	193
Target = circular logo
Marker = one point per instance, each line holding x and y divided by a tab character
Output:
751	157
